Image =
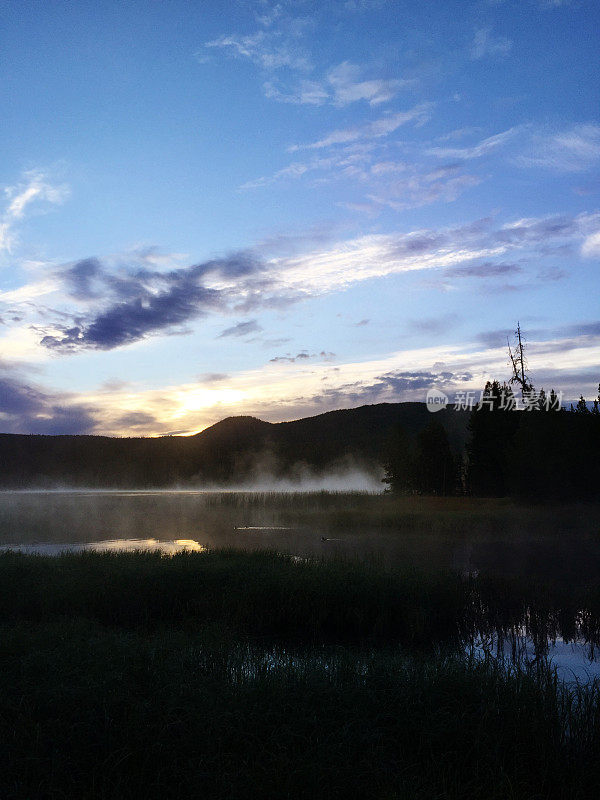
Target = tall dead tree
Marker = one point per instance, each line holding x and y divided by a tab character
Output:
519	364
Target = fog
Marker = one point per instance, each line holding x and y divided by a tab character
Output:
264	475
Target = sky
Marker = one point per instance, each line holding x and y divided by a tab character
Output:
282	208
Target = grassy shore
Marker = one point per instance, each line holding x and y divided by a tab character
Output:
239	675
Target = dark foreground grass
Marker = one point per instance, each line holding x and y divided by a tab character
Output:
88	712
231	675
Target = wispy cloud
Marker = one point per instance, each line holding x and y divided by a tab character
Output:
487	269
280	49
419	188
378	255
106	306
34	187
343	163
485	44
342	85
269	50
573	150
478	150
383	126
348	86
242	329
304	355
362	154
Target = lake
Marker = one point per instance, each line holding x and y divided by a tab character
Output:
472	537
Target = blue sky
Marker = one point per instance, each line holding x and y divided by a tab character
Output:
280	208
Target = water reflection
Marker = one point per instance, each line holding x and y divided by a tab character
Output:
108	545
574	661
306	525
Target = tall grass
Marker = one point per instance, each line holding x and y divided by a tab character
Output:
92	712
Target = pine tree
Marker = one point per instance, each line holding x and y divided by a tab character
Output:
542	404
596	408
399	463
435	469
581	407
492	426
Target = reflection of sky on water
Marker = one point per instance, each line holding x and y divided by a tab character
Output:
573	661
113	545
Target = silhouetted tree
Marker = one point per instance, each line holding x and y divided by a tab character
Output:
434	466
399	463
492	425
554	404
424	465
519	364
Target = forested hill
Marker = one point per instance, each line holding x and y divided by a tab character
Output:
235	449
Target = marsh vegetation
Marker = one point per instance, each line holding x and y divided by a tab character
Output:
276	664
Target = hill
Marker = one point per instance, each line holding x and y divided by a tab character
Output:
231	451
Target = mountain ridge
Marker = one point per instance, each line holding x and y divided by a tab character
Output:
227	452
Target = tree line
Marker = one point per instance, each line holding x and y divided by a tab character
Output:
541	451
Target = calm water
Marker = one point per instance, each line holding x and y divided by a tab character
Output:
300	525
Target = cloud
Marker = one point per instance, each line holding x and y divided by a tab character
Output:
394	184
133	320
267	49
485	44
496	338
372	130
569	363
278	49
434	326
342	85
347	163
416	189
213	377
26	408
345	81
311	93
136	419
393	386
581	329
458	133
591	246
84	279
241	329
116	306
144	302
303	356
378	255
34	187
574	150
363	5
476	151
487	269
